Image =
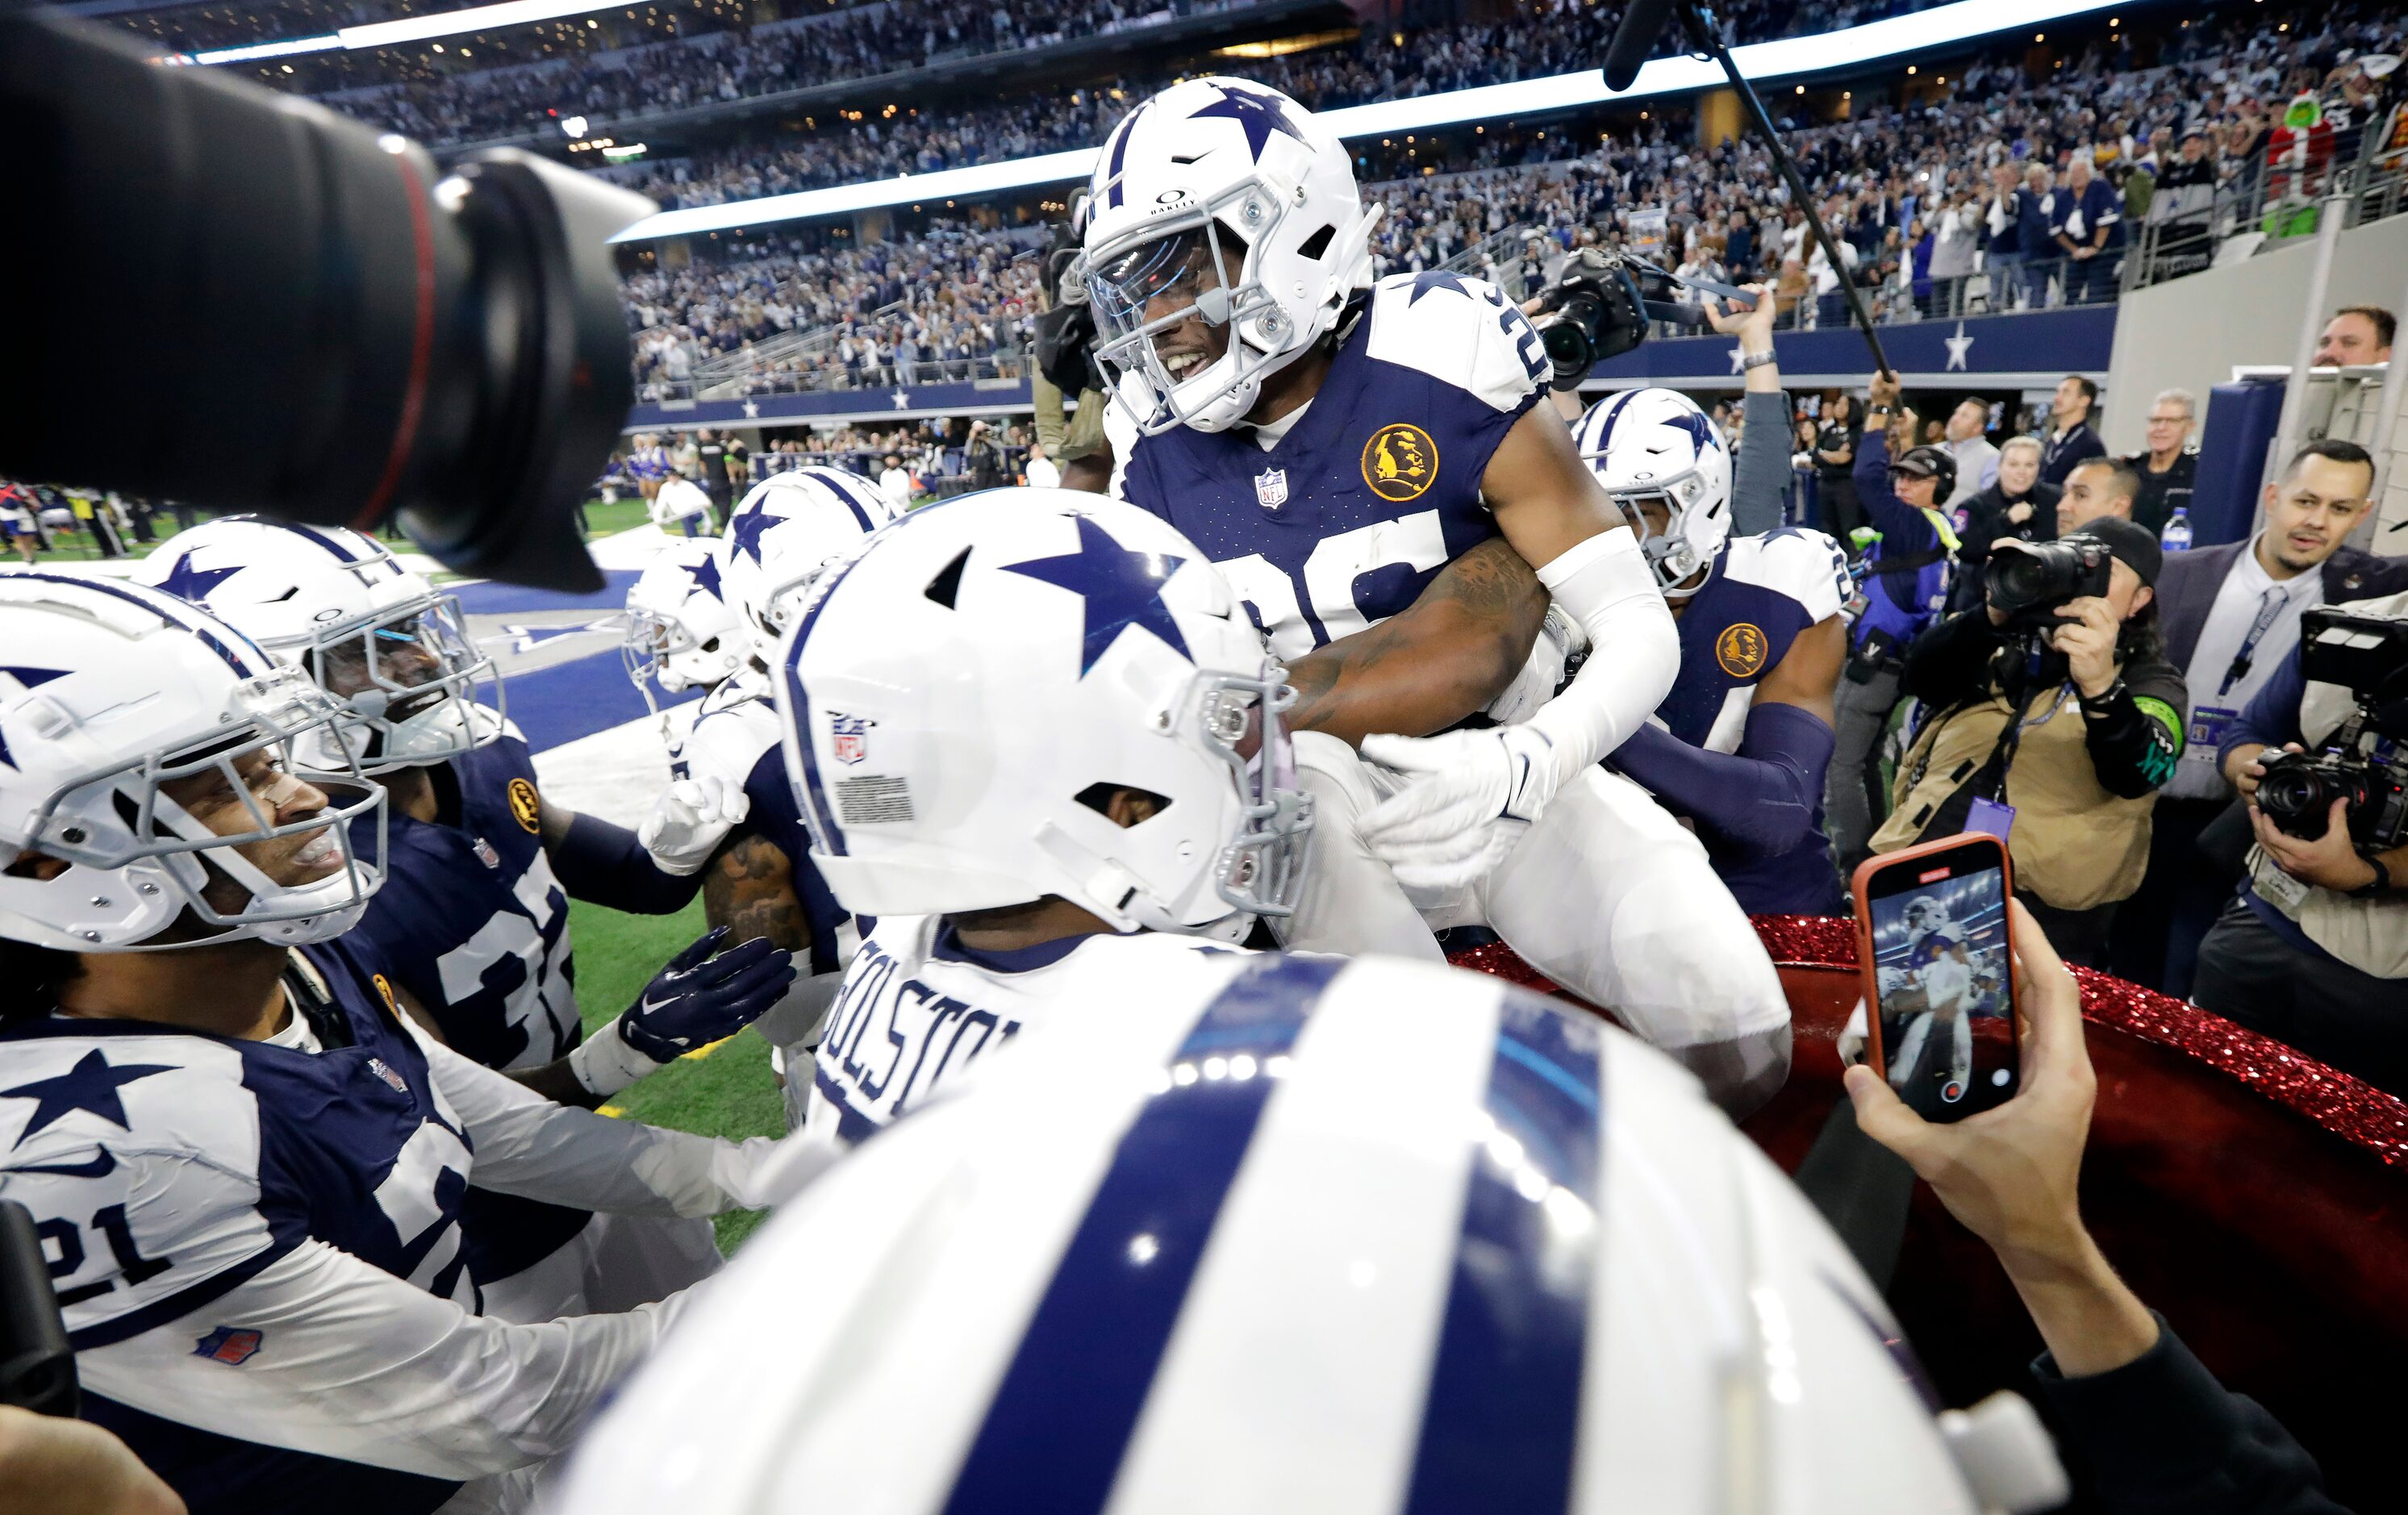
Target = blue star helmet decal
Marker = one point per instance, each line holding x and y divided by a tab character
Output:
746	533
1258	115
1438	278
1699	429
29	679
194	583
705	573
1122	589
91	1085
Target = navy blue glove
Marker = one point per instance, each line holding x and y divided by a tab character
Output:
694	1001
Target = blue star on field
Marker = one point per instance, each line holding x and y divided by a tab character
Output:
1258	115
192	582
746	532
1438	278
91	1085
1700	430
705	573
30	678
1121	588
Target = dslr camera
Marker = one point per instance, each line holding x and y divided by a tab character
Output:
2359	761
1600	304
2027	581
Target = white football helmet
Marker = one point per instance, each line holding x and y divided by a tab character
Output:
681	632
114	701
1226	199
957	698
785	530
1925	912
1350	1234
377	637
1656	446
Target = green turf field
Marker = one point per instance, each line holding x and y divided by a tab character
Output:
77	547
724	1091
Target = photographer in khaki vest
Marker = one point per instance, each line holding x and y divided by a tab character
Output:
2054	716
2315	950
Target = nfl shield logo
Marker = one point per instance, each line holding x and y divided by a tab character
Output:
1271	488
384	1070
850	735
230	1345
486	855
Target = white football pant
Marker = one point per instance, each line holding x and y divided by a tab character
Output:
1606	895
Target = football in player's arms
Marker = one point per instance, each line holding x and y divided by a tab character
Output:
247	1165
473	917
1333	443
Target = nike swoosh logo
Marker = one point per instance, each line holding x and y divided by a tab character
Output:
98	1167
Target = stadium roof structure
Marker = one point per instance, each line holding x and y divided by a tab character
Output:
1827	52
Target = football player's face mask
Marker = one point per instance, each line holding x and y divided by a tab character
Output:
228	830
410	683
1261	872
1184	319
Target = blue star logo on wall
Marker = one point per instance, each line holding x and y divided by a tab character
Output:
705	573
1258	115
1439	279
1700	430
191	582
746	533
91	1085
1122	589
26	679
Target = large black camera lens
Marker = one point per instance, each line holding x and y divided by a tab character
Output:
2027	581
2296	794
1570	339
240	300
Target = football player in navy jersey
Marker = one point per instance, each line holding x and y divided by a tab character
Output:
247	1167
1741	744
473	917
1332	443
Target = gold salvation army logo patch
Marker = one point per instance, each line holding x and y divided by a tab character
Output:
1740	650
523	804
1400	461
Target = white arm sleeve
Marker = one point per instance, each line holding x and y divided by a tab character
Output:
355	1364
526	1145
1605	585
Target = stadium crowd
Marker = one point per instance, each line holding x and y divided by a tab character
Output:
862	44
1986	180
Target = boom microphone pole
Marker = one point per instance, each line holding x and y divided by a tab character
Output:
1642	24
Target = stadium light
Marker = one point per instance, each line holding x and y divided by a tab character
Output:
1965	21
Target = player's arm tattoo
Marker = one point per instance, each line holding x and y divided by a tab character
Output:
1444	657
749	888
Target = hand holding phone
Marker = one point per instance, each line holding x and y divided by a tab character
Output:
2011	1174
1940	981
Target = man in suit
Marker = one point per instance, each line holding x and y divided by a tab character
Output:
2232	618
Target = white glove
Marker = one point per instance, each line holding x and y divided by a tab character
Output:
1476	794
688	821
1560	639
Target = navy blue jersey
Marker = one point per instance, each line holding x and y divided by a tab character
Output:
473	920
1760	595
165	1167
1376	485
477	930
735	739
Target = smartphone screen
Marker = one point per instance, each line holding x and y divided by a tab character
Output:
1943	990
